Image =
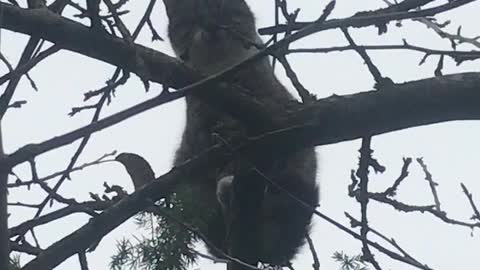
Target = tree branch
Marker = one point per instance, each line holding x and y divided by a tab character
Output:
4	235
329	120
368	18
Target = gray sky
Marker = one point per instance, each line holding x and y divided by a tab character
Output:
450	149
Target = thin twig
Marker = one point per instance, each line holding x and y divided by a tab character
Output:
7	95
25	247
306	96
391	241
476	212
85	207
118	21
102	159
362	198
431	209
144	19
380	81
433	185
391	191
311	245
458	56
24	68
365	20
455	39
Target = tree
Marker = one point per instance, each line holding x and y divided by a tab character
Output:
391	106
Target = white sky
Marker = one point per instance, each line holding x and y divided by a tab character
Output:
450	149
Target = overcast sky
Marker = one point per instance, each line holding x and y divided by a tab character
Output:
450	149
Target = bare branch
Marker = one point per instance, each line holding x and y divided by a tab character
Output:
362	194
7	95
431	209
82	258
458	56
86	207
25	247
316	261
380	81
433	185
118	22
102	159
430	23
305	95
391	191
4	238
367	19
17	104
476	212
146	19
391	241
23	69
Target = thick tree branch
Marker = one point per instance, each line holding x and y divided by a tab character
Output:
4	237
334	119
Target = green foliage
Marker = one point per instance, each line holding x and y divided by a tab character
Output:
168	245
350	263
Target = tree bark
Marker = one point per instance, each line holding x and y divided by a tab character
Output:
4	233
